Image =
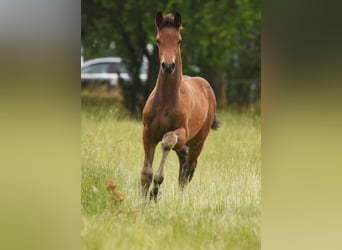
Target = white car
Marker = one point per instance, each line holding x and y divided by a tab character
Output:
107	71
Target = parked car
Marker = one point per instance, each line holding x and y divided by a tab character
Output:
107	71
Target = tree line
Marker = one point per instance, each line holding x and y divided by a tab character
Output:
220	40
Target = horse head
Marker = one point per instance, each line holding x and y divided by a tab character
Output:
169	40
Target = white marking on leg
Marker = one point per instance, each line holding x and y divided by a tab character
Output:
168	142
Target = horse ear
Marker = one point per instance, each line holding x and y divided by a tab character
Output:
159	20
178	20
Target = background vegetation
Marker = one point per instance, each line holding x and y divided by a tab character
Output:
221	42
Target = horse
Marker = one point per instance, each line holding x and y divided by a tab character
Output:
179	112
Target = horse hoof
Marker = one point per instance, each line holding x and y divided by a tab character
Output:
154	194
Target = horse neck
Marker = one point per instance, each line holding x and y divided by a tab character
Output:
167	87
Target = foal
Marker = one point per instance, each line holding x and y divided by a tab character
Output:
179	111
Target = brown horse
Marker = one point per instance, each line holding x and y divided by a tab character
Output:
179	111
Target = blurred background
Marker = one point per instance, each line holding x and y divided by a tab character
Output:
301	122
220	42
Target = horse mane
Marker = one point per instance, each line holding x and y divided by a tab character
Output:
169	21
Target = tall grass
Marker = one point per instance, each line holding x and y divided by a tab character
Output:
219	209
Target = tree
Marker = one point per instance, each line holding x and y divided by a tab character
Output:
125	23
220	38
229	44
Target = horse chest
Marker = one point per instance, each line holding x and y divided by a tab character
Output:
165	121
161	121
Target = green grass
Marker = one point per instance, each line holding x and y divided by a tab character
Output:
219	209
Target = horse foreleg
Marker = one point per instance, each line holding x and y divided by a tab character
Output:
146	176
168	142
147	172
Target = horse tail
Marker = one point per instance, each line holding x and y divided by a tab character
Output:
216	124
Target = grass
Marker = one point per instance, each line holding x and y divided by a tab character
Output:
219	209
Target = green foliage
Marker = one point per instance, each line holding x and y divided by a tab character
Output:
218	36
220	209
216	33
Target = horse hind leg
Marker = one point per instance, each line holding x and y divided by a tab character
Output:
183	158
187	170
168	142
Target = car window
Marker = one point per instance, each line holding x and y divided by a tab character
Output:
105	68
96	68
116	68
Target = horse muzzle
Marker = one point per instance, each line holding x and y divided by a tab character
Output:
168	68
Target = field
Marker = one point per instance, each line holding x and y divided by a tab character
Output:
219	209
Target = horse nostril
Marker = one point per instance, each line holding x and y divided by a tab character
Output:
168	67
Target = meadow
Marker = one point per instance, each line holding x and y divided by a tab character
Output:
219	209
